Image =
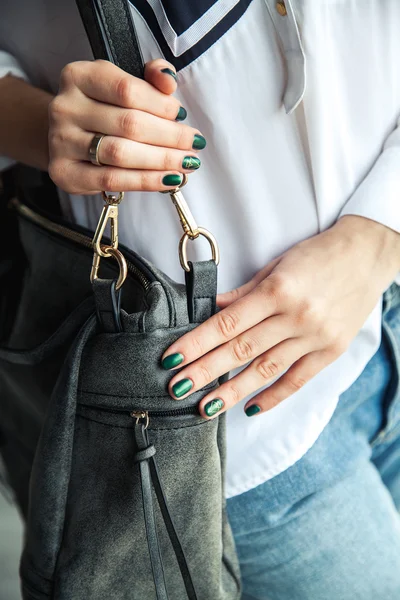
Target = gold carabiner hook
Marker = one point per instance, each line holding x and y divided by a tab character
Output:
186	218
109	213
190	227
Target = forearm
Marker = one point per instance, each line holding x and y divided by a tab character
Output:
24	122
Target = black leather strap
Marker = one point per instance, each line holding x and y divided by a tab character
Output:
149	517
111	33
108	305
201	289
149	476
173	536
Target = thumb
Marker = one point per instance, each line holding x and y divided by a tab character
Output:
161	74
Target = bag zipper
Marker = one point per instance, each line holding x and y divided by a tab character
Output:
144	415
73	236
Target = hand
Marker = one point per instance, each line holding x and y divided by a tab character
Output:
145	148
296	316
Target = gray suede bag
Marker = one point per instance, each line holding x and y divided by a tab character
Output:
126	485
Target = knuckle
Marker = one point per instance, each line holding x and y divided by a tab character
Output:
129	124
295	382
226	323
197	346
109	180
273	400
204	374
282	288
234	393
268	368
170	109
339	346
328	333
244	349
114	152
146	181
310	313
57	109
56	170
169	160
124	90
182	137
67	74
56	139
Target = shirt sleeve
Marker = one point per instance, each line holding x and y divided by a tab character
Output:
378	195
9	66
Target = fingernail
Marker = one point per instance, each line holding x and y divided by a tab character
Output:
172	360
191	162
172	179
213	407
199	142
252	410
170	72
182	387
182	114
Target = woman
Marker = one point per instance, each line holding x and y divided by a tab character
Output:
298	103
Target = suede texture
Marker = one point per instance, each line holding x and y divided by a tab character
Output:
68	407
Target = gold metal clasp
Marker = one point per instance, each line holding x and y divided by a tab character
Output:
110	252
186	218
109	214
183	259
189	226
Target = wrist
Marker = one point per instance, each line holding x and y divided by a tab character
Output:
24	122
379	245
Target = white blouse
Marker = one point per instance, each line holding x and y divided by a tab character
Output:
299	111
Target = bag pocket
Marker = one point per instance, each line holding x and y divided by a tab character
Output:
104	550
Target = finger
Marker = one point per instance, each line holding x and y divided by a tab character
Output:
127	154
138	126
227	298
123	153
292	381
107	83
261	372
225	325
232	355
162	75
84	178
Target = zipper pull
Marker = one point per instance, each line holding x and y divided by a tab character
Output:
140	415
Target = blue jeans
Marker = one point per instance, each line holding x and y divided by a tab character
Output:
328	528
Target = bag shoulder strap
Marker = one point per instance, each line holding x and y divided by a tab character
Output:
111	33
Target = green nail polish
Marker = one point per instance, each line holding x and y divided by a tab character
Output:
252	410
173	360
172	179
182	114
213	407
170	72
199	142
191	162
182	387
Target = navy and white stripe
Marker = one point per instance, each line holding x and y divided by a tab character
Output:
185	29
